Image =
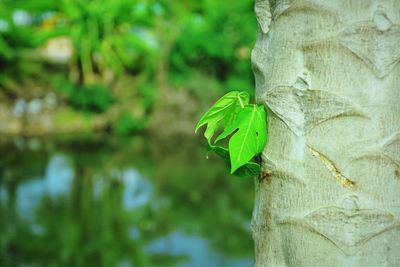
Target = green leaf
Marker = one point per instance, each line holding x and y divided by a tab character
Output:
222	113
250	169
220	151
249	135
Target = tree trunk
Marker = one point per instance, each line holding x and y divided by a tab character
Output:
328	73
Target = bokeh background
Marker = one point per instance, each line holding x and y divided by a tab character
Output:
99	162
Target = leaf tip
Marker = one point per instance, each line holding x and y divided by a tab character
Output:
197	128
233	169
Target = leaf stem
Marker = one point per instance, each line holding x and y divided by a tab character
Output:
240	101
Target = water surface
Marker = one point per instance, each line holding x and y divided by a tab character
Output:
108	202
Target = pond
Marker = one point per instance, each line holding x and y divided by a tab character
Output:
101	201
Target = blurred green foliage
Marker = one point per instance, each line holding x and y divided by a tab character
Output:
126	124
96	43
106	36
217	40
91	98
16	41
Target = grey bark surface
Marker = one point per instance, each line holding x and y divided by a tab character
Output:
328	73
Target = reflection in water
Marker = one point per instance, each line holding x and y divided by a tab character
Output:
196	249
3	195
59	175
29	195
56	182
124	203
137	190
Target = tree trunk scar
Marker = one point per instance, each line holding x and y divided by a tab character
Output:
343	180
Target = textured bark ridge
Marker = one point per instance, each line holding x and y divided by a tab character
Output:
328	73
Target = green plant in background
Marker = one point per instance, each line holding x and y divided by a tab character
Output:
108	37
16	39
244	124
126	124
141	51
227	57
94	98
5	49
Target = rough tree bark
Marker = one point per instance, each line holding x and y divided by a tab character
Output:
328	73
